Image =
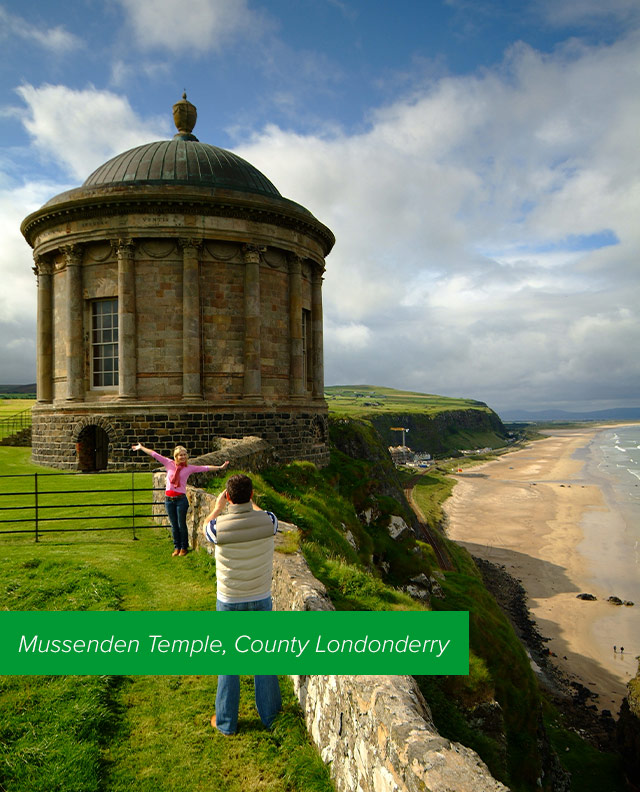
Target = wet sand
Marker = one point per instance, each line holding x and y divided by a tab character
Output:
528	510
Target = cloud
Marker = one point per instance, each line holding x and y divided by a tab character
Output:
486	230
571	12
18	294
348	336
78	130
198	26
56	40
81	129
486	224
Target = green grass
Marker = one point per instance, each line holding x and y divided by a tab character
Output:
452	723
430	492
91	509
165	741
438	425
591	770
53	732
491	638
10	407
352	588
361	400
314	501
130	733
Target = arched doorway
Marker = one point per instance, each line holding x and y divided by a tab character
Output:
92	449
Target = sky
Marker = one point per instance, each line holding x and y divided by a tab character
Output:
477	160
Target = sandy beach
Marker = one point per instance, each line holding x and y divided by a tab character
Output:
537	512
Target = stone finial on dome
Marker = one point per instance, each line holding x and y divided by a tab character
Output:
184	117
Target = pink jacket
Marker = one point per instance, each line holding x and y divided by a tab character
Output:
170	465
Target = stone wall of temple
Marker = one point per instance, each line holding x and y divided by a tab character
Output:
216	338
57	436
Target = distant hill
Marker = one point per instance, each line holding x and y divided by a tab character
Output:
438	425
18	388
358	400
615	414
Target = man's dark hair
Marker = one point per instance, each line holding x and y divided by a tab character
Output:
239	488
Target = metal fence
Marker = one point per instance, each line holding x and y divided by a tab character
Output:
15	423
40	503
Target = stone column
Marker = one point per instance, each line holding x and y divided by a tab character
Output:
127	344
252	388
191	338
44	350
74	306
296	369
317	331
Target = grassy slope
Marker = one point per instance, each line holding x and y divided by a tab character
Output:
342	400
499	667
122	733
322	503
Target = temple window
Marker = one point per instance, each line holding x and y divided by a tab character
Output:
306	347
104	343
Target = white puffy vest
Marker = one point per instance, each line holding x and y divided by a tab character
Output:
244	565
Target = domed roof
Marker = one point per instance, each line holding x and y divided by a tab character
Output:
172	174
180	161
183	160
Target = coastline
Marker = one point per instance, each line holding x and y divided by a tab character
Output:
539	512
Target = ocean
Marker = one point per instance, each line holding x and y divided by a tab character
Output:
612	535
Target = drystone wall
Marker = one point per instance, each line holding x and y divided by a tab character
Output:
375	732
21	439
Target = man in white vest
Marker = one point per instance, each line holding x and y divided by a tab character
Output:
243	537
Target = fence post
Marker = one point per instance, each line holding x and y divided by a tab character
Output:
35	492
133	505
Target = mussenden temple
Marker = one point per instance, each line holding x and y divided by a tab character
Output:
179	300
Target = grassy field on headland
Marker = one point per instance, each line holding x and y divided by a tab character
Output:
148	733
359	400
131	727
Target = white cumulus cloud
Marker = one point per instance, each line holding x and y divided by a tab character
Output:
81	129
55	39
199	25
452	215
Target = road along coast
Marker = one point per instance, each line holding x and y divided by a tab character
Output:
527	511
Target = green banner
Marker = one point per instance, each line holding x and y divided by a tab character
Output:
210	642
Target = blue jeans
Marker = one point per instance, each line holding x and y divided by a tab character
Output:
268	698
177	509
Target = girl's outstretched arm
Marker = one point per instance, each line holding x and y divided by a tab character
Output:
219	467
140	447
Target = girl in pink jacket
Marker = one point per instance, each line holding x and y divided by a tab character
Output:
176	503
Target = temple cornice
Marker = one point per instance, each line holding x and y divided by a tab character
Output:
278	212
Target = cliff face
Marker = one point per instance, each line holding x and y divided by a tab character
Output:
358	440
443	432
504	724
629	731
